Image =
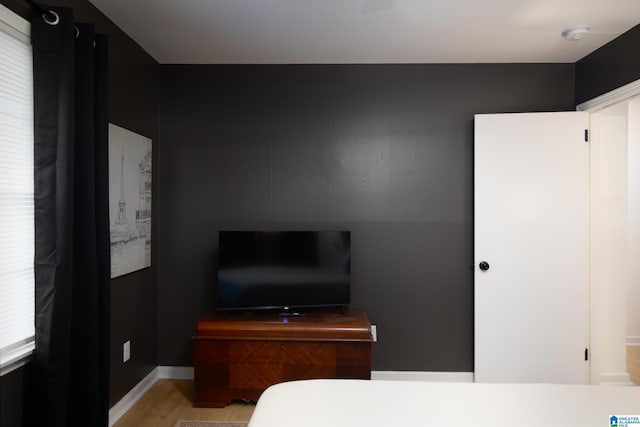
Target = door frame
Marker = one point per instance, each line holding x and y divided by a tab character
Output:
617	95
608	99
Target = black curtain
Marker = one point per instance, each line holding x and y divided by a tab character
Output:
68	381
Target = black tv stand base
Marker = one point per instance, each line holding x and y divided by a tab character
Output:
291	314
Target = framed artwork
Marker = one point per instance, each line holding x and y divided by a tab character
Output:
129	200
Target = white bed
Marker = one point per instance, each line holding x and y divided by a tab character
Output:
354	403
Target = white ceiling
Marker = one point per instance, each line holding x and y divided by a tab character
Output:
367	31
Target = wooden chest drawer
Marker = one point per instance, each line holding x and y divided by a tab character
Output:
240	365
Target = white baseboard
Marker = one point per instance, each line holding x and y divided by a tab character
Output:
616	379
119	409
160	372
633	341
175	372
451	377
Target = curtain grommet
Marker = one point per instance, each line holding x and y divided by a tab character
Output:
51	17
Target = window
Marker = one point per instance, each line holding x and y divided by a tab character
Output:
16	193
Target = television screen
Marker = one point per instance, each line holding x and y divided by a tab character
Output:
283	269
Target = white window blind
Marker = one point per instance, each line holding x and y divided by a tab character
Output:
16	192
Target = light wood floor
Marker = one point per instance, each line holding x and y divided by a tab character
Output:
168	401
633	363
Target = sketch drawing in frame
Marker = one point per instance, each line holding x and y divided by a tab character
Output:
129	200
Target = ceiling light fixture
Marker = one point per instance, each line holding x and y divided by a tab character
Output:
577	32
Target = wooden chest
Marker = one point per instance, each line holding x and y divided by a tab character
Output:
237	356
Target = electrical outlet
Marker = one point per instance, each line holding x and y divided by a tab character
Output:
126	351
374	333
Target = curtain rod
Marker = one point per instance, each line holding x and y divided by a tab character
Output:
47	14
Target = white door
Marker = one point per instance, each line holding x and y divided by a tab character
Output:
532	231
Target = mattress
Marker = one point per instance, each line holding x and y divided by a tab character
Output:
342	403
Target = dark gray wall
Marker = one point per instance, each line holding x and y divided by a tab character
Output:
133	104
385	151
613	65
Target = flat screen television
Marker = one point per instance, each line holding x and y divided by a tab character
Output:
283	270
